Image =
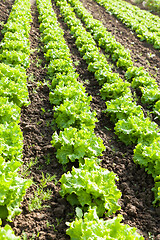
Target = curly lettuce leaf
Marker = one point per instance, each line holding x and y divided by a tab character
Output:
11	141
91	185
92	228
76	114
136	130
148	157
73	144
6	233
12	189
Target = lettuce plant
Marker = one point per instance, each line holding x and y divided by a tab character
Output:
147	85
73	144
9	36
143	81
13	84
15	45
135	129
150	94
11	141
100	63
115	90
72	90
56	54
9	112
7	233
105	75
60	77
148	157
75	113
156	190
12	189
15	91
14	58
92	228
123	107
134	72
91	185
60	66
157	108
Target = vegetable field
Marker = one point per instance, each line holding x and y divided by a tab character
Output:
79	120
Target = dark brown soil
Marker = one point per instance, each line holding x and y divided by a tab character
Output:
38	126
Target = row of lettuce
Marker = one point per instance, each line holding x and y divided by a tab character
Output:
14	59
137	76
145	24
130	124
90	188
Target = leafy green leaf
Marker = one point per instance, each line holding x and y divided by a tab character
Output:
12	189
91	227
115	90
135	129
93	186
72	144
7	233
75	113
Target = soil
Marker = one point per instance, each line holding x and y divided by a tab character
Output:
48	220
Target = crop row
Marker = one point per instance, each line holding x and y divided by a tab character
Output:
89	186
130	124
153	5
145	24
138	77
14	59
